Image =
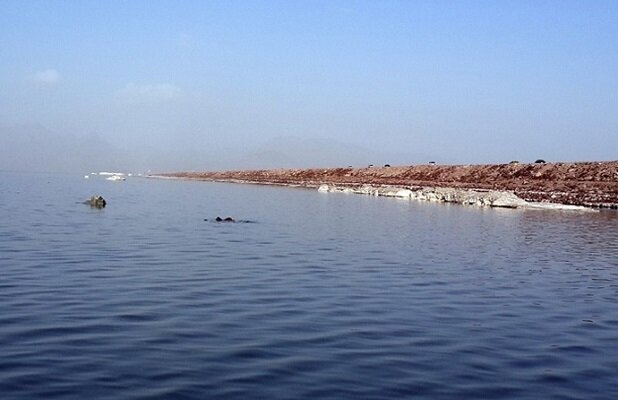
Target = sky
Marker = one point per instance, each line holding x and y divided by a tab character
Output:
189	81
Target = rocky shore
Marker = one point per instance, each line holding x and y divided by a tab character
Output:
588	184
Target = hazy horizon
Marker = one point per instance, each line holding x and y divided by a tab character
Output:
187	85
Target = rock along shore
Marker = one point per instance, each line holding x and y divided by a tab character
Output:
582	184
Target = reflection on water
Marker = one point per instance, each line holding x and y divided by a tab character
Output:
324	296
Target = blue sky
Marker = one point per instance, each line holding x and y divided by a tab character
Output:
469	81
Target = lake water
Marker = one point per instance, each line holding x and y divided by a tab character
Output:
322	296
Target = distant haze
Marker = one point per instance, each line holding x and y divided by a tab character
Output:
34	148
197	85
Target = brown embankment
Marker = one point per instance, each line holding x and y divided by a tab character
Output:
593	184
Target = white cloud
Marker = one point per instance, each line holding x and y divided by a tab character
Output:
149	94
46	77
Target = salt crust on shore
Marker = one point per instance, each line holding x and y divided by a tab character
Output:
475	197
481	198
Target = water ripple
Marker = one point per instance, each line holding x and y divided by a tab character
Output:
143	300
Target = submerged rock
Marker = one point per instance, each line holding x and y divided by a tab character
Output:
226	219
96	202
231	220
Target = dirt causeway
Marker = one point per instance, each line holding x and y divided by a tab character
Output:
592	184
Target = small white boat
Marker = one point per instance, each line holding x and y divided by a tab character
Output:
116	178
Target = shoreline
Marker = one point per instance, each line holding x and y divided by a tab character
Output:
571	186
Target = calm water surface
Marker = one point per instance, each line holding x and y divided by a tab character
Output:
324	295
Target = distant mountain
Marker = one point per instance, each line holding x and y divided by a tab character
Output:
36	148
280	152
294	152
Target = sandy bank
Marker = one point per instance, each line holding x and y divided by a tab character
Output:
589	184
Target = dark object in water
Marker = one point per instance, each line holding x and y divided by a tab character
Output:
230	219
387	165
96	202
540	161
